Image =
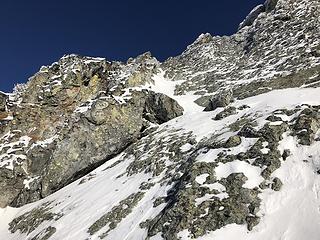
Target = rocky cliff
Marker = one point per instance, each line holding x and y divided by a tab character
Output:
220	142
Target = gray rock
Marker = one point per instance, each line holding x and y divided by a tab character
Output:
233	141
249	132
203	101
107	129
29	221
45	234
306	126
10	184
228	111
252	16
252	221
97	115
286	154
276	184
86	115
270	5
3	100
273	133
273	118
160	108
117	213
223	99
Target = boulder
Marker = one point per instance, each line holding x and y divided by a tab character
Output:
203	101
228	111
249	132
233	141
286	154
252	221
276	184
307	125
223	99
160	108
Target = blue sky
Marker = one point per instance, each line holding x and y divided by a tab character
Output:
35	33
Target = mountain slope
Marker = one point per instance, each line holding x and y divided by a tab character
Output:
221	142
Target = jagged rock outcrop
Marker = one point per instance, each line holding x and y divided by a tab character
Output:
252	16
160	108
222	99
250	60
233	141
270	5
307	125
3	100
67	112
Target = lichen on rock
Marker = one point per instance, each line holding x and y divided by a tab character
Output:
30	221
117	213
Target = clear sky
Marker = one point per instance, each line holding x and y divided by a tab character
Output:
38	32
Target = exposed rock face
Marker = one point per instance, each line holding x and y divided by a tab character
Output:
285	27
70	115
3	100
11	184
249	132
107	129
223	99
160	108
307	125
30	220
225	113
183	212
253	16
270	5
233	141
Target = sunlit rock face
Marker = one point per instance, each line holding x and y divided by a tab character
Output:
72	117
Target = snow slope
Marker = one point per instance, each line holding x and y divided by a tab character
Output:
294	212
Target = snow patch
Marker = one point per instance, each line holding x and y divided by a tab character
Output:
253	173
202	178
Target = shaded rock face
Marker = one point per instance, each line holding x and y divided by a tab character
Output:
105	130
233	141
249	132
252	16
10	184
267	7
3	100
222	99
225	113
160	108
64	115
270	5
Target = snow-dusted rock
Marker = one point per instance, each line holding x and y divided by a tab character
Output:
247	169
